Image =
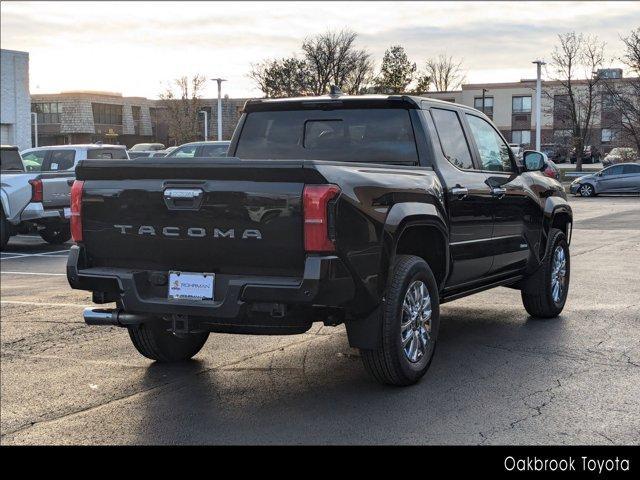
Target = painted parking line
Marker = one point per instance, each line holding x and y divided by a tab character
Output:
45	304
54	254
35	273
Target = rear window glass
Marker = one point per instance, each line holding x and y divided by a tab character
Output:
107	153
10	160
356	135
33	160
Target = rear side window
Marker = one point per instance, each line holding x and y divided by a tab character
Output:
615	170
107	153
213	151
353	135
452	139
10	160
631	169
59	160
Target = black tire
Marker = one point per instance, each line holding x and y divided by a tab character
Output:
5	234
536	291
56	234
389	364
587	190
154	341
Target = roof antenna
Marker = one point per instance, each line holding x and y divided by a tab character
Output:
335	91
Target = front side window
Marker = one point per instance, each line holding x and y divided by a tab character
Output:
33	160
348	135
494	152
188	151
214	151
521	104
452	139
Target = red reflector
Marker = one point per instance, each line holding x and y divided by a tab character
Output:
76	210
36	190
316	217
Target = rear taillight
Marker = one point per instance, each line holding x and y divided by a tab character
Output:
76	210
318	217
36	190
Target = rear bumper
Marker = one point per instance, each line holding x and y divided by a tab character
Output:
325	283
36	211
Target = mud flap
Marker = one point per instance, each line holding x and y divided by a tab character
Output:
365	332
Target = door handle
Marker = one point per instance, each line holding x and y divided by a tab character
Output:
498	192
459	192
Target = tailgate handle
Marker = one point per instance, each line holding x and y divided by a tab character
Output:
183	198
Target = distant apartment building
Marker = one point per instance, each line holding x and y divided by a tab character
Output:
511	105
85	117
15	120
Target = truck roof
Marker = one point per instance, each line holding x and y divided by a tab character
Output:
341	100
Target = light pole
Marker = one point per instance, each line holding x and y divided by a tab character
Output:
35	127
206	124
538	101
219	80
484	91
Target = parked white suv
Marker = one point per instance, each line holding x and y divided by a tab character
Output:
66	157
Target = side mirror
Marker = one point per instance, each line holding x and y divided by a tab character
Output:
533	161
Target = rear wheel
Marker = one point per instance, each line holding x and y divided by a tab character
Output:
587	190
56	234
410	321
545	292
154	341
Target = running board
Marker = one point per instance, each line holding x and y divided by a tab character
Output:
448	297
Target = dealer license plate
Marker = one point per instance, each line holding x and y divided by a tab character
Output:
191	285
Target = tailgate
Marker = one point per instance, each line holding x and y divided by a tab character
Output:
56	191
229	217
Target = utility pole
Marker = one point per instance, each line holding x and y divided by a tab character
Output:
484	91
206	124
219	80
539	63
35	127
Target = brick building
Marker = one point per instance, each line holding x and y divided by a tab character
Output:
85	116
512	108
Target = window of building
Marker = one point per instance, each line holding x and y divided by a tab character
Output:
494	152
608	102
606	135
452	139
107	114
521	137
47	112
521	104
488	105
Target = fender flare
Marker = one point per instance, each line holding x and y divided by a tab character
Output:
365	332
553	207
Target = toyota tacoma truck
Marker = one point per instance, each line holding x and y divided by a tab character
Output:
370	211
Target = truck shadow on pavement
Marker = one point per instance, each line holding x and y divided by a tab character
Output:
317	391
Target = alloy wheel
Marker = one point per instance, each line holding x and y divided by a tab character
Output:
415	326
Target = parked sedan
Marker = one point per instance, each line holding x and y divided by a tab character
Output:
201	149
620	155
621	178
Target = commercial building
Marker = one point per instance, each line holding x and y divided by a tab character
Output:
85	116
15	120
511	105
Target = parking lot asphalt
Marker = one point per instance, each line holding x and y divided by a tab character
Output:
498	376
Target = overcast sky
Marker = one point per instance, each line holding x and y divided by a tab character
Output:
137	47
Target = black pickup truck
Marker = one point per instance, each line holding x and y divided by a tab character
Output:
365	210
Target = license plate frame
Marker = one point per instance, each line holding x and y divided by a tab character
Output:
195	286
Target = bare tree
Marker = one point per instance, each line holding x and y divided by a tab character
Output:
623	98
577	56
361	74
332	59
445	73
182	105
